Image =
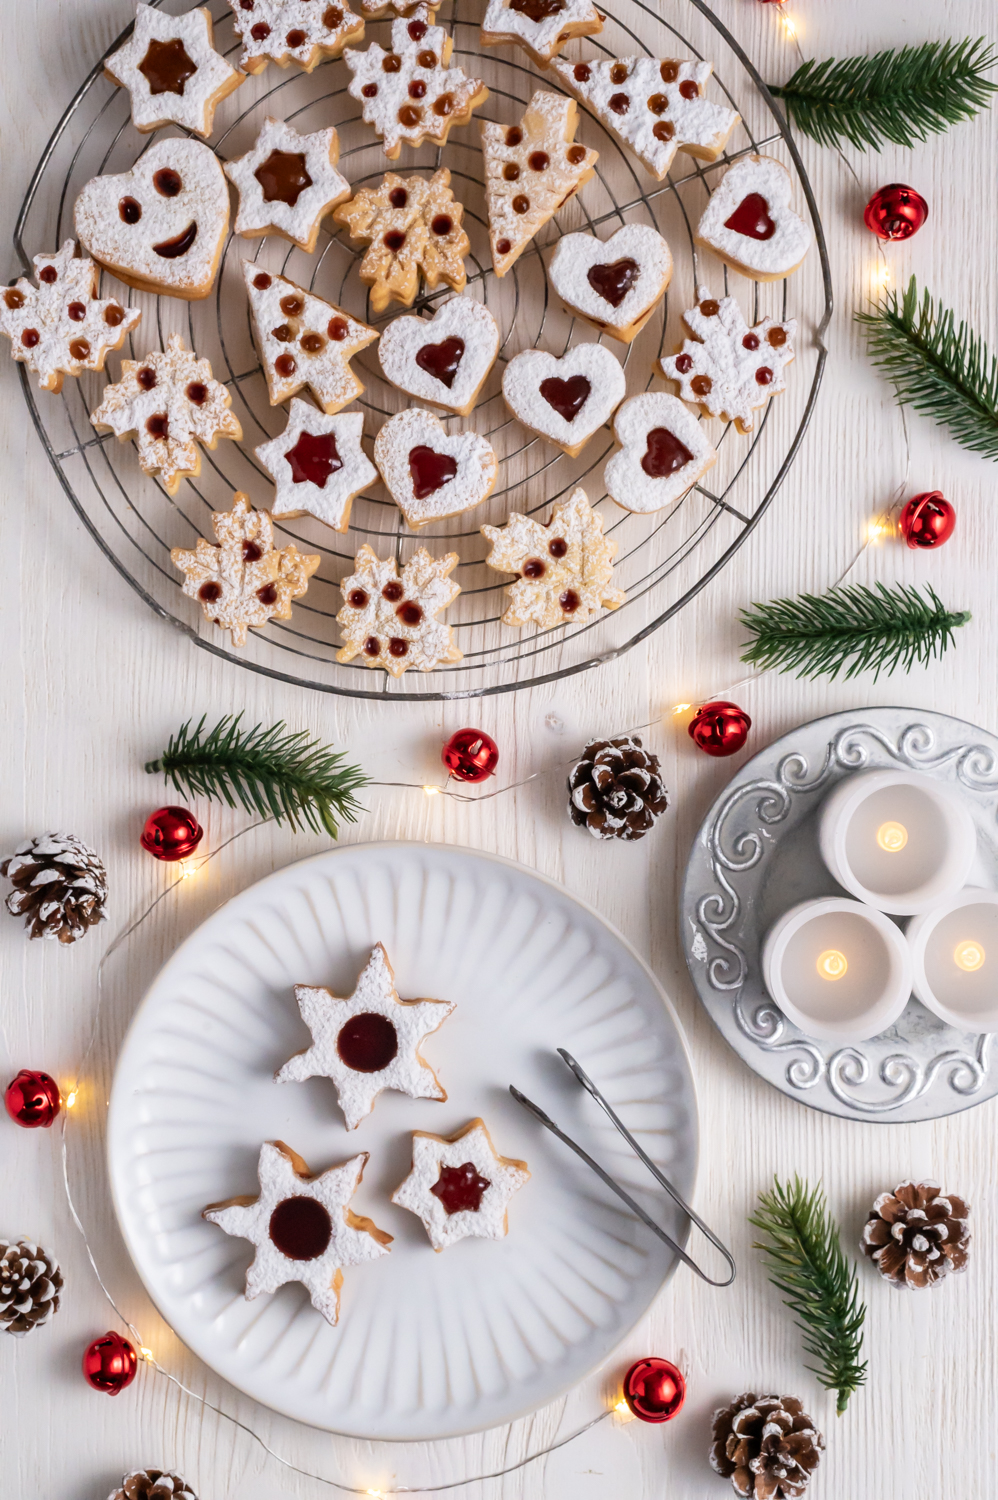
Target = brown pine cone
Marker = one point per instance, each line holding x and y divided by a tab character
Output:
766	1445
60	886
915	1235
30	1283
152	1484
615	790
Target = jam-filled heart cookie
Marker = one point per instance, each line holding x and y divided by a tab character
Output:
460	1186
540	27
303	340
663	452
287	183
444	359
749	223
614	284
564	400
564	568
171	70
317	464
304	32
727	368
410	225
390	619
431	473
161	226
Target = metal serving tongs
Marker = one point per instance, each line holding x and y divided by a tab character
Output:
615	1187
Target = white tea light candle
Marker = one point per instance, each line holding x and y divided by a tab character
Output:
954	956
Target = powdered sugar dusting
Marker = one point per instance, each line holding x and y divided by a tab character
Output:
430	1154
521	383
378	621
330	501
299	31
542	38
477	466
626	480
193	105
791	238
560	587
727	368
299	221
578	253
460	317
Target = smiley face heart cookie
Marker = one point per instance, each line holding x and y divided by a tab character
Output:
749	223
444	359
663	452
564	400
161	226
614	284
431	473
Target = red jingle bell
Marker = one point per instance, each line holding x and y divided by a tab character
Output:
171	833
927	520
109	1364
895	212
32	1099
470	755
654	1390
720	728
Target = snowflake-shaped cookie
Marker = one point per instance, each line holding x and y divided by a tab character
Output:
59	327
169	403
292	31
390	620
410	225
540	27
301	1226
287	183
304	340
460	1186
171	70
564	568
244	580
317	464
729	369
367	1042
410	94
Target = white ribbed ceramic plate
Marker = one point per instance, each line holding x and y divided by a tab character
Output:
427	1345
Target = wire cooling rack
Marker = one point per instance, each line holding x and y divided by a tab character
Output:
663	559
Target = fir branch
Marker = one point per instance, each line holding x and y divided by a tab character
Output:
804	1260
935	367
900	96
817	635
272	772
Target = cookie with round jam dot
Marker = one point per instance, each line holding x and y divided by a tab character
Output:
411	226
303	32
540	27
317	464
460	1186
727	368
171	70
564	568
390	619
287	183
303	340
749	223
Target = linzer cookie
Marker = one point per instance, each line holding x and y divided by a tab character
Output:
564	400
411	225
244	581
531	171
161	226
287	183
656	106
564	568
410	94
444	359
317	464
663	452
460	1186
374	8
431	473
727	368
749	223
367	1042
304	32
301	1226
389	620
60	326
614	284
171	70
303	341
540	27
169	403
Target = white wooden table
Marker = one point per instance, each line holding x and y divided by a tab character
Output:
93	684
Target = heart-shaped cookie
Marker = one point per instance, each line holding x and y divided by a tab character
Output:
444	359
564	400
429	472
662	453
749	223
161	226
614	284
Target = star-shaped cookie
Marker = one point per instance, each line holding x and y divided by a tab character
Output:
171	70
317	464
389	620
410	225
287	183
292	31
304	340
540	27
564	568
460	1186
367	1042
301	1226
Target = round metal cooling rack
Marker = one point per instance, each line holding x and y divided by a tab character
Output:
663	559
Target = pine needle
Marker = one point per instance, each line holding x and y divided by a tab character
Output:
804	1261
935	367
857	628
271	772
900	96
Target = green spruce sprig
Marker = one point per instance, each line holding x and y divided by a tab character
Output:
856	628
936	367
900	96
272	772
804	1260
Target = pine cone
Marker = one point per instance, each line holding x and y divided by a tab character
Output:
60	886
766	1445
30	1283
152	1484
616	790
916	1236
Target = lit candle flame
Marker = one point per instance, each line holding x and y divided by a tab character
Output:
832	964
892	837
968	955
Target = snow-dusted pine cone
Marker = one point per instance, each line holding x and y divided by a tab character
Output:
152	1484
917	1234
766	1445
30	1283
615	790
60	886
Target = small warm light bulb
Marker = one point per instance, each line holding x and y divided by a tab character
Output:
680	708
892	837
968	955
188	868
431	791
789	26
145	1352
70	1099
832	964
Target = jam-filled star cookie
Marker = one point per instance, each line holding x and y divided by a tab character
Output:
749	223
171	70
460	1186
662	453
411	225
303	340
287	183
444	359
317	464
304	32
564	569
564	400
389	620
432	473
615	284
540	27
727	368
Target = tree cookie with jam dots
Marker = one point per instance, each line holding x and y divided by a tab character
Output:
287	183
727	368
60	326
305	32
301	1226
531	171
303	340
564	568
540	27
749	223
389	620
444	359
410	225
171	70
614	284
431	473
317	464
161	226
662	453
460	1186
564	400
410	94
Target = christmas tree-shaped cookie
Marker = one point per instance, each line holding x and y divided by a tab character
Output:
727	368
303	340
411	225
